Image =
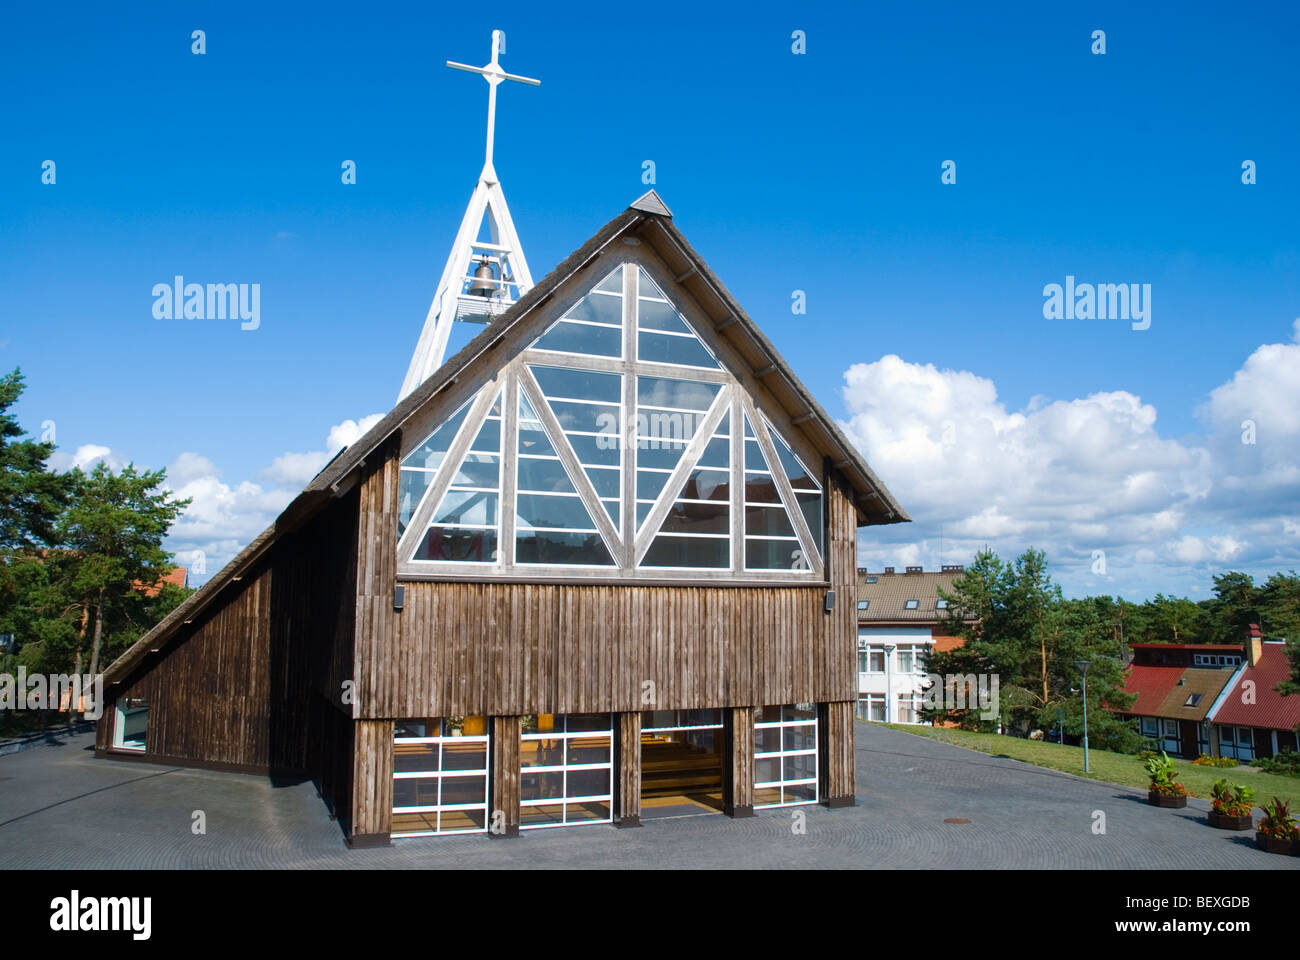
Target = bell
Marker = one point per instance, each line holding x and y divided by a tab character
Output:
484	284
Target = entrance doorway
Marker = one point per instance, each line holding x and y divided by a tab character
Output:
681	763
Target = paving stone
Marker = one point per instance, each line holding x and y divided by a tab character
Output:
61	808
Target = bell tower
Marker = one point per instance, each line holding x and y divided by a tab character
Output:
486	271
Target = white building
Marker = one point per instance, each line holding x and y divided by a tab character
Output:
899	621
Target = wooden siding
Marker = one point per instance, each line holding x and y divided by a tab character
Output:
234	687
739	762
516	648
376	619
372	780
627	769
837	785
503	790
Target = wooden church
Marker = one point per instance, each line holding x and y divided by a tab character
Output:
596	567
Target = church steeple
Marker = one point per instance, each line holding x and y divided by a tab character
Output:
486	271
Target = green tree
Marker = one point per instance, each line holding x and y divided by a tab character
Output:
1030	636
31	499
114	531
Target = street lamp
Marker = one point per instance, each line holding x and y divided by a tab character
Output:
1083	666
889	683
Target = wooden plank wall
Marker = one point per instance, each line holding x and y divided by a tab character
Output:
376	620
627	770
836	748
372	783
503	789
233	689
739	762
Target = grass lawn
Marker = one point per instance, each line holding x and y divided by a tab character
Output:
1121	768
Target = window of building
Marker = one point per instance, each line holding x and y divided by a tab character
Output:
941	604
908	707
440	776
876	660
912	604
607	444
132	723
1192	700
1236	742
863	604
871	706
873	579
785	755
1215	660
566	770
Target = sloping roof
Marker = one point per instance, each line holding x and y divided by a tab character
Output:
1164	691
1270	709
1152	685
177	576
641	221
890	593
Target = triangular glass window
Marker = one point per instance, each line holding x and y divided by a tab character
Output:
697	529
420	466
771	542
552	525
663	335
669	415
588	405
593	326
465	525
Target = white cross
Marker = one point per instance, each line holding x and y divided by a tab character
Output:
493	74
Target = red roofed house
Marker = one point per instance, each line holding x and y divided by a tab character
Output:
1251	719
1176	685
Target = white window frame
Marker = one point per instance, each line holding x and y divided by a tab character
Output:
565	767
781	754
440	774
626	540
119	727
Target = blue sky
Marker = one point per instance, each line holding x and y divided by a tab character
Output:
818	172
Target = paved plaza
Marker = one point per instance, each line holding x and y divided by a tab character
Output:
61	808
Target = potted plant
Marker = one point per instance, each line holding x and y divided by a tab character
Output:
1165	790
1277	832
1231	805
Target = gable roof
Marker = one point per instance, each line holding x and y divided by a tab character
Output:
647	220
1163	691
889	595
1270	709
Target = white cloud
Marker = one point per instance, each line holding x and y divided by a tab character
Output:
1073	476
225	516
297	469
85	457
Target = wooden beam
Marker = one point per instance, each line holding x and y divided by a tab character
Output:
769	369
627	776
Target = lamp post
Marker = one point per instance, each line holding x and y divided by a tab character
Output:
1083	666
889	683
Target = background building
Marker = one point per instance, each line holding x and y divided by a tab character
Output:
900	619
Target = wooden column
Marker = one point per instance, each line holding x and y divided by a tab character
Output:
372	784
836	753
503	791
738	762
627	770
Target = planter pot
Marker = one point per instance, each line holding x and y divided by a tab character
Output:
1224	822
1274	845
1166	800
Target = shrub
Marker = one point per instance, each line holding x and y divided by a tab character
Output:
1164	780
1205	760
1286	763
1278	822
1231	799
